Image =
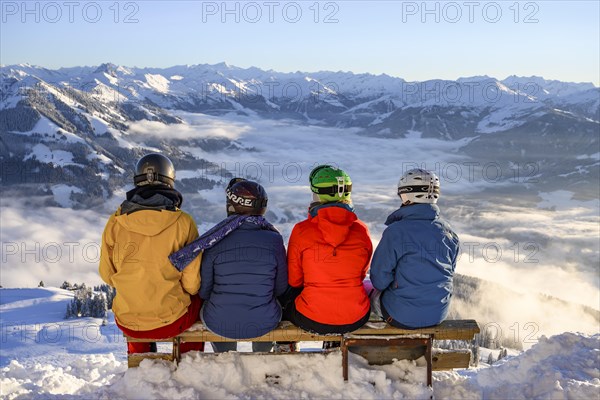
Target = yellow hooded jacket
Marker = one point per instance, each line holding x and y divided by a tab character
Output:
151	293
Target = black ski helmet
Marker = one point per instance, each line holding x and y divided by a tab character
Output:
246	197
154	169
233	181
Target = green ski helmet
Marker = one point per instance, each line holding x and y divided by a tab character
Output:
330	184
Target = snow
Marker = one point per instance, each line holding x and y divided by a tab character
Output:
46	356
105	93
50	130
505	117
58	94
10	101
122	139
58	158
99	125
157	82
103	159
240	375
542	88
44	125
565	366
62	194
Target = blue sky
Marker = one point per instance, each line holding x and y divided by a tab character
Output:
414	40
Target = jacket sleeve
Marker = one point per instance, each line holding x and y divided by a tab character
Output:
385	259
281	277
190	278
457	252
369	251
107	268
294	260
207	273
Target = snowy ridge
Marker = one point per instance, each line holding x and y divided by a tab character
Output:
198	86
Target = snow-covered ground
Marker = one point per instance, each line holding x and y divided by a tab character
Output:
44	356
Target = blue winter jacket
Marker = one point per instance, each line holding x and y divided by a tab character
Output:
241	277
413	266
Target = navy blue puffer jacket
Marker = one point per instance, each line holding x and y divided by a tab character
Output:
414	265
241	277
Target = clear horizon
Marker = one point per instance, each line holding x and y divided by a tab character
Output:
415	41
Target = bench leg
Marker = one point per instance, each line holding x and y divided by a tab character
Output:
428	355
176	349
344	348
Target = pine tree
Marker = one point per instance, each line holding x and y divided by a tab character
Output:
87	303
475	354
503	353
65	285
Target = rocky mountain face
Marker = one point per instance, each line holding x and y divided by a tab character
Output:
71	127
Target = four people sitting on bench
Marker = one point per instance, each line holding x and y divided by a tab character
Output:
244	273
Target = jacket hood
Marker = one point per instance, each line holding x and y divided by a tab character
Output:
153	197
148	222
334	224
427	212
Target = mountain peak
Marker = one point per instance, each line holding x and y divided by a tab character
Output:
108	68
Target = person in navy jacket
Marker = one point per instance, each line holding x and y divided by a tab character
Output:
244	272
415	260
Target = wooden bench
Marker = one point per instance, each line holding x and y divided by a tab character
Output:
377	341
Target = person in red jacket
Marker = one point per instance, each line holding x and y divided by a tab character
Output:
328	258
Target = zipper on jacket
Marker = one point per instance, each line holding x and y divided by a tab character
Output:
334	252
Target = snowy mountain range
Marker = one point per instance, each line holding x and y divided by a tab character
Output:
76	124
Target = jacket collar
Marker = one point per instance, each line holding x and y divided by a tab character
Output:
427	212
152	197
314	210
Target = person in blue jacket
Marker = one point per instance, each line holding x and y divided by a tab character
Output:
244	269
414	263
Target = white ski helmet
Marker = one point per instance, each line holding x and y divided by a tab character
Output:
419	186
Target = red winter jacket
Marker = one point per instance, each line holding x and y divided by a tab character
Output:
329	255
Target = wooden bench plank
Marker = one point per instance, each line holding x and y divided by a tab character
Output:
447	330
286	332
451	359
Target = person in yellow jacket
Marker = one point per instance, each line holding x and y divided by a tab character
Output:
154	299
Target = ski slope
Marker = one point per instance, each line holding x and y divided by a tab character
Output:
45	356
